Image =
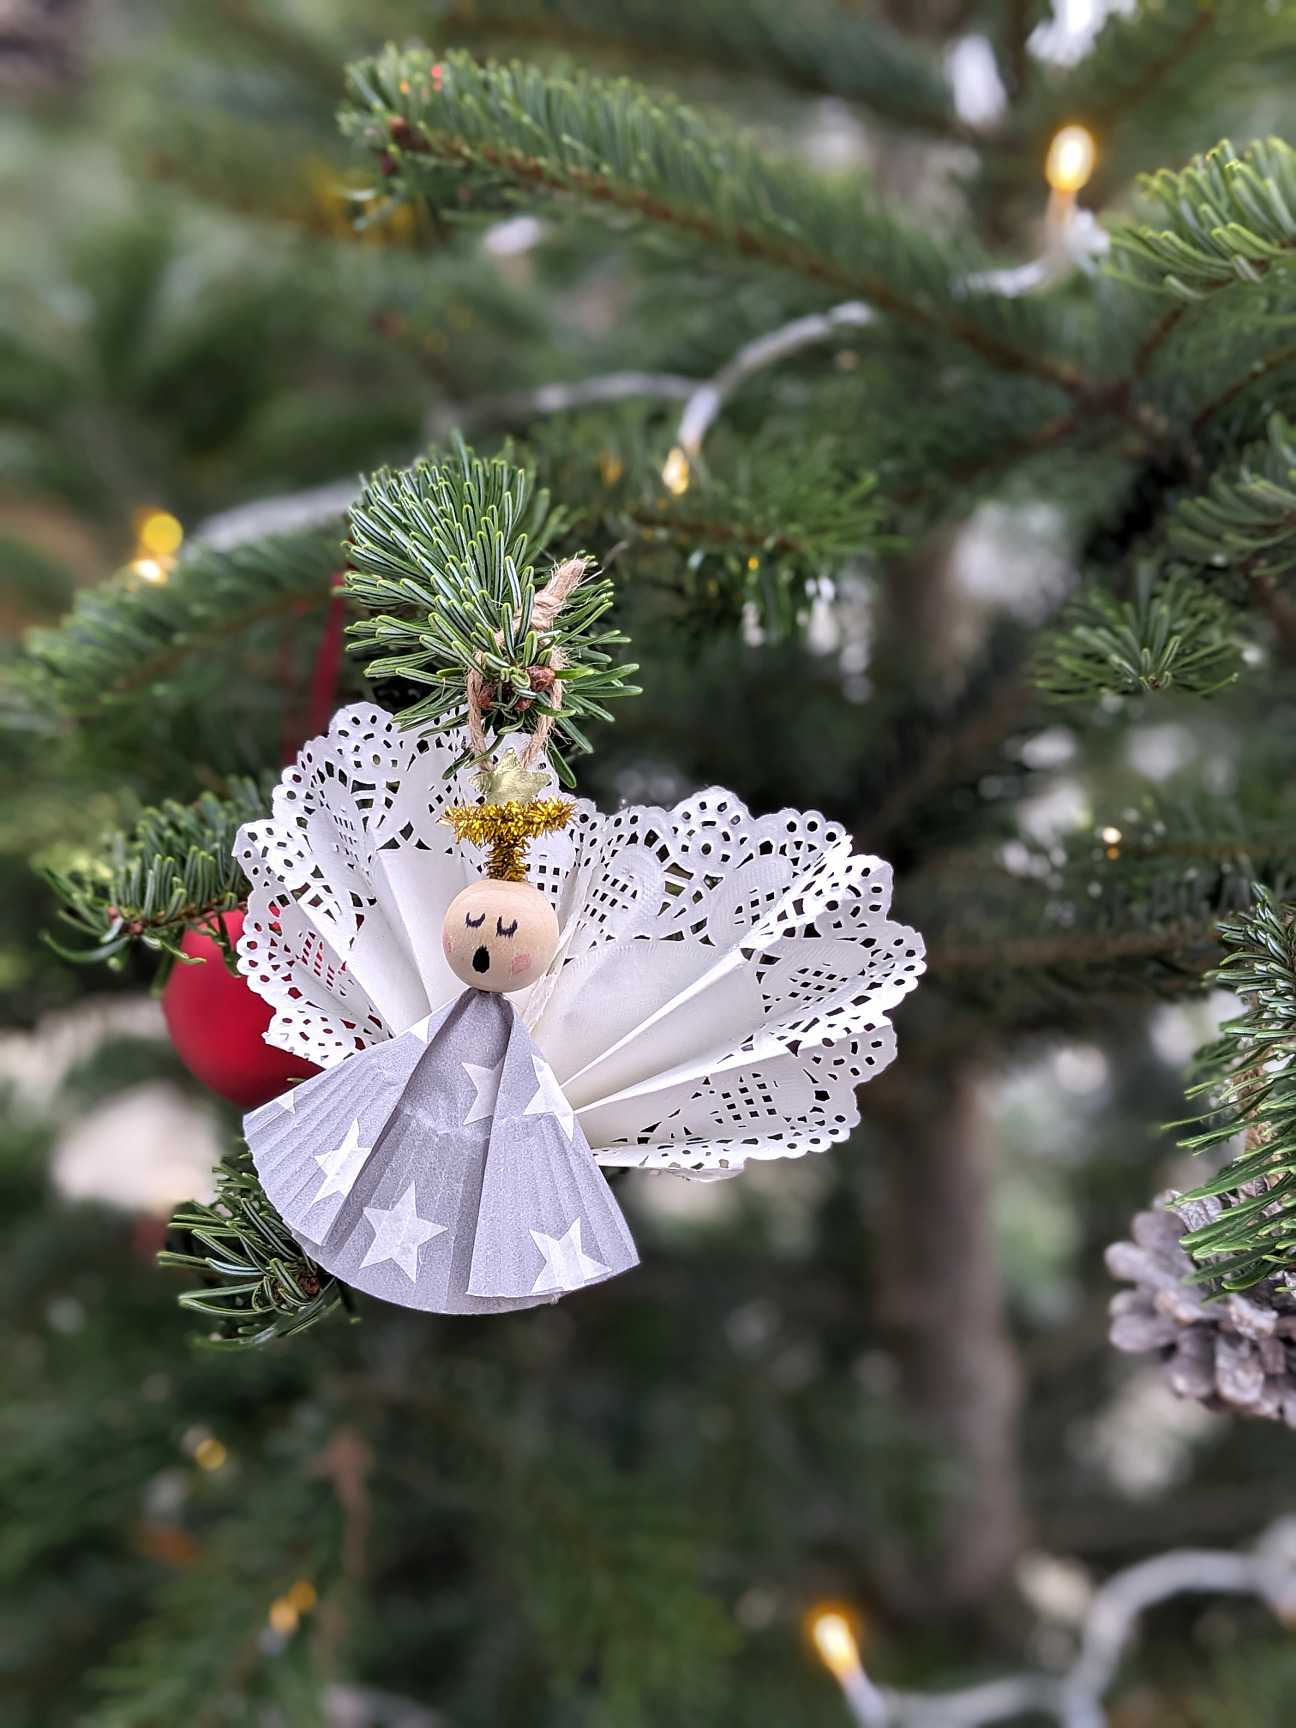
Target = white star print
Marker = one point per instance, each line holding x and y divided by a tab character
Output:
550	1100
399	1233
567	1266
342	1165
486	1080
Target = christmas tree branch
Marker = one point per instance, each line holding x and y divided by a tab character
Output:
708	399
1161	888
175	871
1255	374
204	1641
257	1282
812	47
631	1602
441	554
1250	1076
1091	948
1134	54
1246	520
752	541
127	634
290	48
439	127
1229	219
1175	632
519	406
948	759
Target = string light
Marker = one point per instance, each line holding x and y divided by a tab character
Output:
283	1617
835	1642
675	473
285	1612
158	537
1110	836
209	1454
1070	160
611	467
159	533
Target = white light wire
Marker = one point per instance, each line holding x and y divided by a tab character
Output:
1074	1699
1071	237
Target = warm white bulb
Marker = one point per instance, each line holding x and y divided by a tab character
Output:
835	1643
159	533
1070	159
675	472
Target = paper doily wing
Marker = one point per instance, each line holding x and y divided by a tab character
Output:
724	985
722	980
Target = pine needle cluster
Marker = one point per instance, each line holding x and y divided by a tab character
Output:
442	554
173	872
1249	1075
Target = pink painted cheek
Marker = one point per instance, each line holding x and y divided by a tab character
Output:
445	942
520	963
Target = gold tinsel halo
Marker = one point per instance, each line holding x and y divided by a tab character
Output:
507	829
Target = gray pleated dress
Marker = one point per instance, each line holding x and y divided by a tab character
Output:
444	1170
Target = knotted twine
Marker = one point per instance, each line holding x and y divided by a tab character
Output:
545	608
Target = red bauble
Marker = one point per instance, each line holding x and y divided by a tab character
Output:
216	1022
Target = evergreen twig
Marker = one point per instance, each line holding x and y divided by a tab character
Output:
1249	1072
447	130
258	1284
1229	219
125	635
812	47
442	554
1174	632
175	871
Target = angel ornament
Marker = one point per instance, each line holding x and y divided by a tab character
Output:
510	992
455	1177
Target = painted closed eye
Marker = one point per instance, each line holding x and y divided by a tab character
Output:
501	931
475	923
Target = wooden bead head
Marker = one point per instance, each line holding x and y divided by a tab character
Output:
499	936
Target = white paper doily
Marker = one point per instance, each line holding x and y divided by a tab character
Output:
721	986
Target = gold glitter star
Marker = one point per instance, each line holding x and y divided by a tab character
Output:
509	782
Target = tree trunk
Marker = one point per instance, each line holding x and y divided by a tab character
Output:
940	1304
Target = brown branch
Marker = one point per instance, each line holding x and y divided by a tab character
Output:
1050	433
1017	29
1037	952
727	533
1261	369
750	244
951	753
1216	849
1276	604
1122	100
1158	335
294	50
172	656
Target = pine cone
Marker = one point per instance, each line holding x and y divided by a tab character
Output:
1233	1352
40	41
